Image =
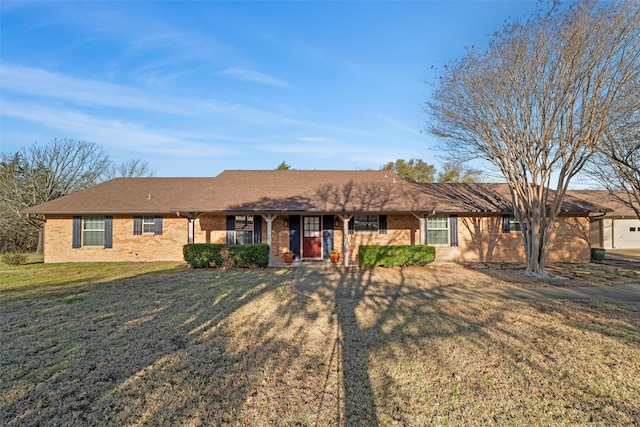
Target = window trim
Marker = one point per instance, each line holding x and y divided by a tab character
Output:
84	230
235	229
149	221
447	229
369	224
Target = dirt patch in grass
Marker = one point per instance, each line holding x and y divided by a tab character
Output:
239	347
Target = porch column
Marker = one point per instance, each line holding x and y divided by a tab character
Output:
269	218
423	227
345	238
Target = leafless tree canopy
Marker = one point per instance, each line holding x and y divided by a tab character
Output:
616	164
42	173
536	102
133	168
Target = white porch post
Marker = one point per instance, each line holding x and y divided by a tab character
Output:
345	238
423	227
269	218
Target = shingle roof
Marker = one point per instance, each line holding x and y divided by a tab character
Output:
293	190
605	199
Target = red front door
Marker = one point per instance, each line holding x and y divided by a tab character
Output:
311	240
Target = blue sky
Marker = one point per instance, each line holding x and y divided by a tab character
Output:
198	87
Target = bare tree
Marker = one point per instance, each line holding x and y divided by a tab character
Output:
415	169
616	164
133	168
45	172
536	102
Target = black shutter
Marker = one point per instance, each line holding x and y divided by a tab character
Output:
453	230
352	225
383	224
505	223
426	230
231	229
257	229
157	225
77	232
137	225
294	235
108	232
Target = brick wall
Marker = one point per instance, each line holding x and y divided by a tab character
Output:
126	245
480	239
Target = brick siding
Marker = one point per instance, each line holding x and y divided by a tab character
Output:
480	239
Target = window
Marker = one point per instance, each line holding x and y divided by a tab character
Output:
93	231
514	225
311	226
148	224
437	230
366	223
244	229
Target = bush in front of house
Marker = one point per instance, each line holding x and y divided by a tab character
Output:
204	255
14	259
396	256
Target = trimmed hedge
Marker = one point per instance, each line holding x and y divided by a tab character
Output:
401	255
204	255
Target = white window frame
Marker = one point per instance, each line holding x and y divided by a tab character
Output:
514	225
96	231
148	225
430	230
366	223
244	219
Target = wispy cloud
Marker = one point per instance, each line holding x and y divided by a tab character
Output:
119	134
240	73
42	84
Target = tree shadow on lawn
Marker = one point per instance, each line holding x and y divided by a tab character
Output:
237	347
189	346
417	356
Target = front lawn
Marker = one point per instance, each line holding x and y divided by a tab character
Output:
159	344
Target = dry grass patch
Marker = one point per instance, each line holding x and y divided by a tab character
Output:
171	346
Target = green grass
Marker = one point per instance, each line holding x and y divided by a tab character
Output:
160	344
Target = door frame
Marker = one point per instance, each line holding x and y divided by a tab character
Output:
302	232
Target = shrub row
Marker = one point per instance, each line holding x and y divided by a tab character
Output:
14	259
401	255
204	255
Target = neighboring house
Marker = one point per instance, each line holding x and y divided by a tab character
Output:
619	228
309	212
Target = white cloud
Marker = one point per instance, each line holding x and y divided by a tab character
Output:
240	73
119	134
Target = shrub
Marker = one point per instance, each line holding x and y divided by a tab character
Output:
204	255
14	259
256	255
390	256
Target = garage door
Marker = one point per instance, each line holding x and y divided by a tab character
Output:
626	233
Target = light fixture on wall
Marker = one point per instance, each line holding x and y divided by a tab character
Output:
286	222
337	222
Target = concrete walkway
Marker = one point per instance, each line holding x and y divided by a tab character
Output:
326	281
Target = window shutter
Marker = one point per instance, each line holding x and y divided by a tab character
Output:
453	230
231	229
505	223
352	225
383	224
108	232
426	230
157	225
77	232
257	229
137	225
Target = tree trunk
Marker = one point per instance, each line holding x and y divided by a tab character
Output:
40	248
